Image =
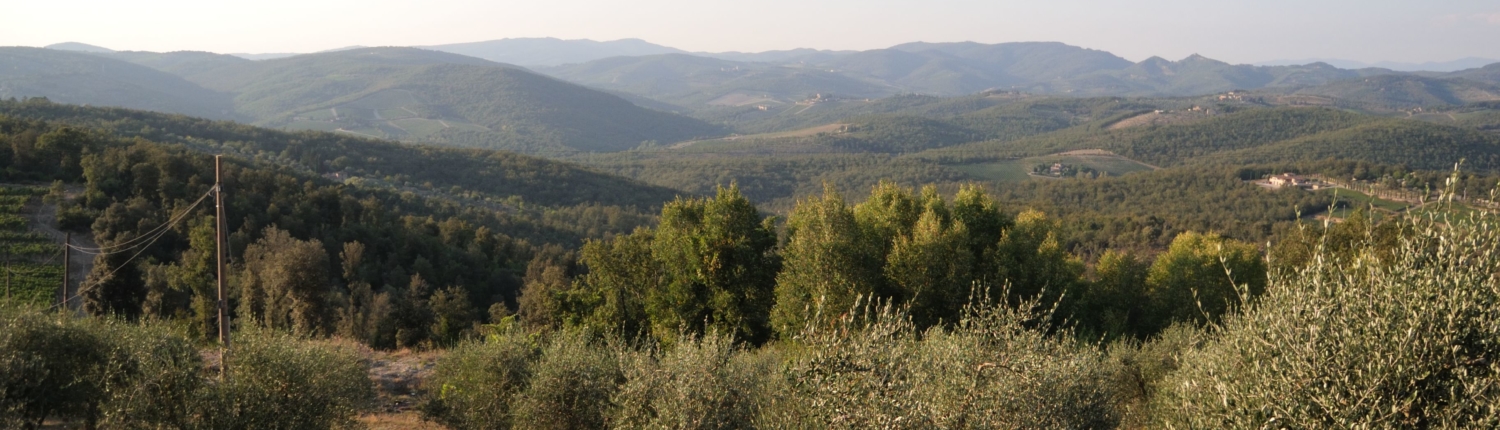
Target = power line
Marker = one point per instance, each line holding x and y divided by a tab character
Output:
107	276
160	231
136	241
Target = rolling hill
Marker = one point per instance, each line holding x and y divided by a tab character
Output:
1395	92
531	189
1029	61
547	51
942	69
82	78
694	81
397	93
414	94
181	63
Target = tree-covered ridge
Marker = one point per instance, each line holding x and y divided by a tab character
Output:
513	107
1259	136
714	266
401	93
79	78
414	267
500	175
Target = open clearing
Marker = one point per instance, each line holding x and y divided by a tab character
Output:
742	99
806	132
1162	118
1020	169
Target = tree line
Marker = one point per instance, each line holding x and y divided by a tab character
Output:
716	265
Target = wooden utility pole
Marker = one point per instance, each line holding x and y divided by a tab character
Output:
62	298
219	252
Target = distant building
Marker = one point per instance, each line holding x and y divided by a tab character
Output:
1289	180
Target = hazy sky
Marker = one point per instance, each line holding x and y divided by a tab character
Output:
1230	30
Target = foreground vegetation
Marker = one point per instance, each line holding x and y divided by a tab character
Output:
1388	326
1138	301
115	374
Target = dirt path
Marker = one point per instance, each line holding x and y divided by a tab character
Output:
398	377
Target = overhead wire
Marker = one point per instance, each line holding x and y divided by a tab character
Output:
136	241
160	231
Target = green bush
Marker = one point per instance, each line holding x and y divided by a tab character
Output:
1137	369
121	375
478	383
49	367
1405	339
699	383
571	384
156	378
993	370
277	380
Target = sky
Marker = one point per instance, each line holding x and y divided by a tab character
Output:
1238	31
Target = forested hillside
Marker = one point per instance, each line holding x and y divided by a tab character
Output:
396	93
79	78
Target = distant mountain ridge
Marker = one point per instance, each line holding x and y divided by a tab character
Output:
96	79
549	51
946	69
1429	66
397	93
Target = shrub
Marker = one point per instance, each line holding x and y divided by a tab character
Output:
49	367
993	370
1137	369
156	377
477	384
1406	339
280	381
571	384
120	375
700	383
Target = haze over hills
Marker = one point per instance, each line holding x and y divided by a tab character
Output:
79	47
1430	66
547	51
398	93
942	69
689	80
82	78
429	95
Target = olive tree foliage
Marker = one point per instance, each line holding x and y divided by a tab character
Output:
110	373
285	283
993	369
1376	338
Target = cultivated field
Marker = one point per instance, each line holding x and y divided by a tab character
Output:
1020	169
